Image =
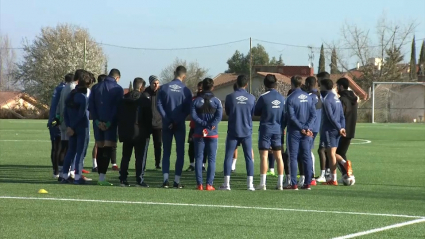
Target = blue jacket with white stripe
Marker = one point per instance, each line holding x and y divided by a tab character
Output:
271	107
332	113
239	107
301	111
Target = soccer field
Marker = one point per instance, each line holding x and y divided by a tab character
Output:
387	200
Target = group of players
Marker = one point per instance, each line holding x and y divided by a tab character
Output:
162	111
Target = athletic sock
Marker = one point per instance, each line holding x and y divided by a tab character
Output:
280	180
226	181
263	179
60	168
234	164
334	177
322	173
271	170
313	159
249	181
165	177
102	177
343	162
177	179
114	164
94	163
192	164
203	165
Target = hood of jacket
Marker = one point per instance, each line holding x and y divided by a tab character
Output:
132	97
349	95
150	91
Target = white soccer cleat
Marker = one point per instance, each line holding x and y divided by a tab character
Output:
261	187
55	176
251	188
279	188
224	187
321	179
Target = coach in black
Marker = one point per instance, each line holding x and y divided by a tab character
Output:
349	104
151	93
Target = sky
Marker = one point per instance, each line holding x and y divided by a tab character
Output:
169	24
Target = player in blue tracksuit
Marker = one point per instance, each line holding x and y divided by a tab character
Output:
271	107
333	126
301	116
53	125
206	112
76	118
104	101
173	103
239	107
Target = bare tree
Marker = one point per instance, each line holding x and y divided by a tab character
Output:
194	73
55	53
387	50
7	64
281	87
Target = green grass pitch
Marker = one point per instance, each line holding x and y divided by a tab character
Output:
389	190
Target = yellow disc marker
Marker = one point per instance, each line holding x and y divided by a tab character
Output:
42	191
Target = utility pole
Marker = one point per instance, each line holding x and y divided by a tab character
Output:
85	49
311	57
250	65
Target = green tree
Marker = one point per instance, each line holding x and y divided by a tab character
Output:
54	53
334	64
237	63
130	87
280	61
413	60
392	65
322	66
422	55
240	63
273	61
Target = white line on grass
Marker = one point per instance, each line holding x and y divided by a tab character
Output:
420	220
362	141
212	205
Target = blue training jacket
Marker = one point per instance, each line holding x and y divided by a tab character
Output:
76	113
55	101
332	113
206	112
173	103
301	111
271	107
239	107
318	105
105	99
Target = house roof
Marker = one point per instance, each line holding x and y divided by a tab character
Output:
224	79
353	85
278	76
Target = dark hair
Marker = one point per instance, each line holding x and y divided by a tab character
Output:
270	81
242	81
78	74
235	87
138	82
207	84
69	77
85	79
92	78
327	83
114	73
310	81
180	71
290	91
323	75
100	78
296	81
200	83
344	82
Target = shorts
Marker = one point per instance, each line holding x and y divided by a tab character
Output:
54	132
267	141
64	136
107	138
329	139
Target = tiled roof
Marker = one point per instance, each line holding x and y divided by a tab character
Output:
278	76
353	85
224	79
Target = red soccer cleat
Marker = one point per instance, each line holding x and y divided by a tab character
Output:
210	188
306	187
313	182
348	168
85	171
115	168
200	187
331	182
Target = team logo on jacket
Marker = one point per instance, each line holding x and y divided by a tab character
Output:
303	98
241	99
175	88
276	104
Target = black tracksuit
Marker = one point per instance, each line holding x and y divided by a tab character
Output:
134	127
349	105
156	124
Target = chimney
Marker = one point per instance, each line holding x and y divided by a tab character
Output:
358	65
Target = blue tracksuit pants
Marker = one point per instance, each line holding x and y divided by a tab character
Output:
231	144
77	148
299	145
179	134
210	145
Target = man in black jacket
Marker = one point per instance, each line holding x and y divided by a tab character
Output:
151	94
134	127
349	105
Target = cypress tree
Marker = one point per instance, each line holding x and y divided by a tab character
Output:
422	55
322	60
130	88
334	64
413	61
